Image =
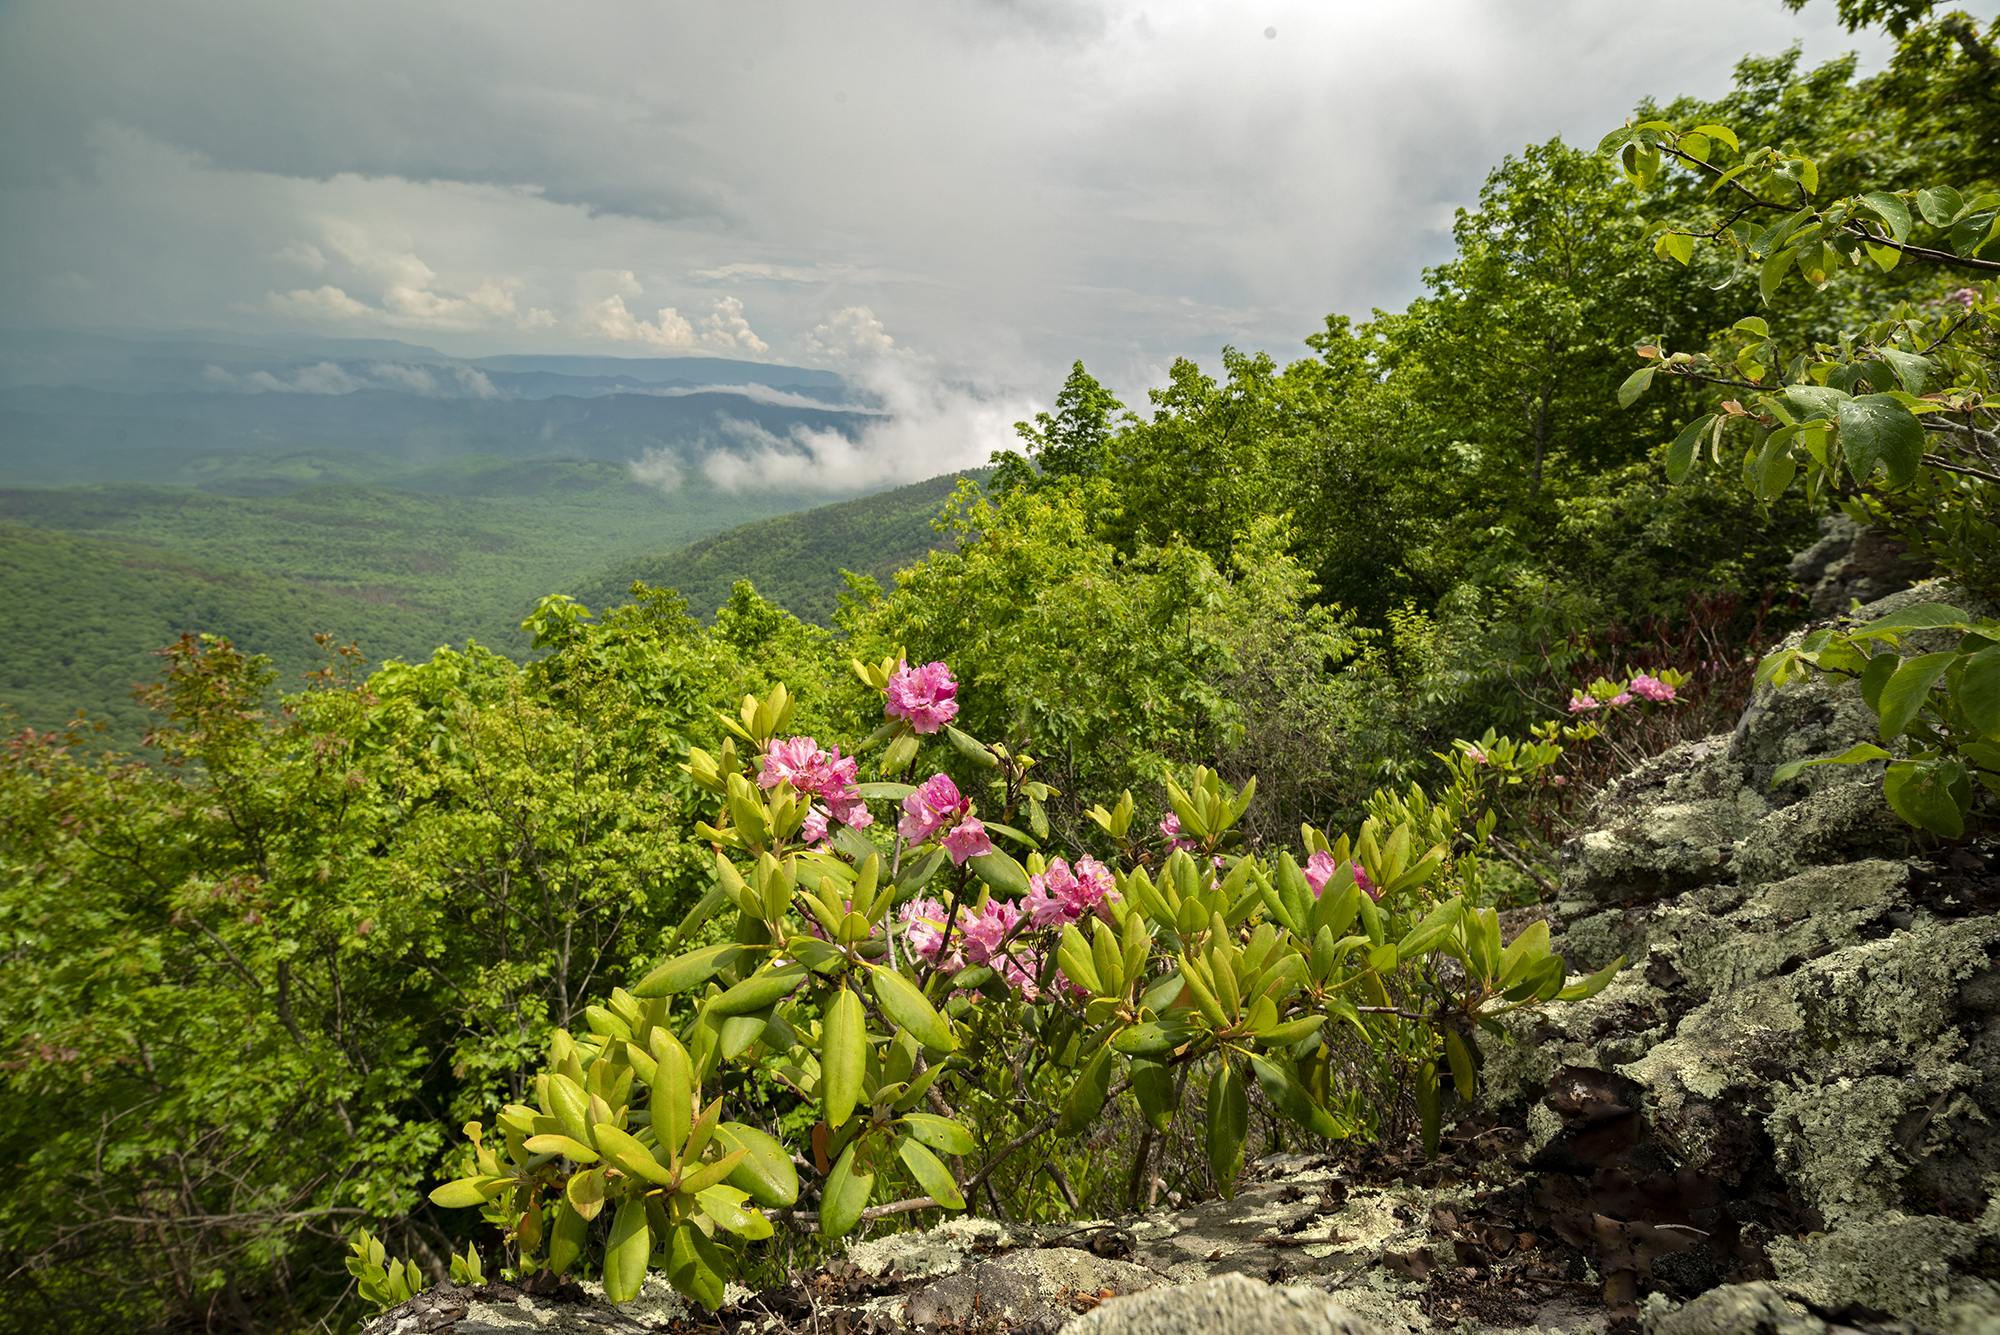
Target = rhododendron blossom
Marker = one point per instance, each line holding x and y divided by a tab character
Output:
935	805
1651	688
926	696
1059	895
1622	699
977	938
1171	828
1320	868
967	840
814	772
1581	703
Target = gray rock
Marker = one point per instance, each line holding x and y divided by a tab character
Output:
1733	1309
1231	1304
1849	563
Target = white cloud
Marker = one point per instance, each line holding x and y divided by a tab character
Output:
609	319
658	467
416	379
324	378
726	330
475	384
850	333
930	428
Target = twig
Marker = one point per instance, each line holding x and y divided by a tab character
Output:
807	1221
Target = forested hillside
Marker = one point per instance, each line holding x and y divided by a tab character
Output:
1206	749
793	560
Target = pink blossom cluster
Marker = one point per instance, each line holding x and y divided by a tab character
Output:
938	806
816	773
1320	868
1651	688
926	696
1171	828
976	938
1059	895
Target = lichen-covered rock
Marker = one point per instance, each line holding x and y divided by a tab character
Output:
1228	1303
1800	1071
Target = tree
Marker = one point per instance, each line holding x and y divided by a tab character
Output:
1069	444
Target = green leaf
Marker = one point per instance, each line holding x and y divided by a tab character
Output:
1815	401
1462	1073
1425	936
567	1238
971	748
685	971
848	1188
695	1266
1875	428
630	1157
1939	205
1773	273
467	1192
1722	132
1978	691
1086	1097
1154	1038
1970	234
843	1052
1921	793
1291	1099
997	869
884	792
1681	454
906	1006
931	1175
1291	1031
725	1206
1924	616
625	1253
759	990
1153	1084
1893	213
1635	384
1853	755
1594	984
766	1172
1228	1125
940	1133
1914	371
1909	690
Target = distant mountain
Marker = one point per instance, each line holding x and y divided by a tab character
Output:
795	560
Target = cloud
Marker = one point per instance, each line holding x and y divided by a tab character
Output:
609	319
658	467
929	428
325	378
416	379
1008	183
726	330
850	333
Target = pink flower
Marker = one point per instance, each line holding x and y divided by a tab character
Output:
814	828
935	805
817	773
1060	895
1478	756
1651	688
1320	868
968	840
925	696
1620	700
1171	828
985	931
1581	703
923	929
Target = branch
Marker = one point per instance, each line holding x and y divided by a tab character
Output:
1512	855
1967	37
807	1221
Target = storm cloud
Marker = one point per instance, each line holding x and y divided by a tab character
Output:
974	190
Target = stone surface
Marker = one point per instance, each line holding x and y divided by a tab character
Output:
1850	563
1227	1303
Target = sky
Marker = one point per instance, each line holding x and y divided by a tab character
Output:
953	199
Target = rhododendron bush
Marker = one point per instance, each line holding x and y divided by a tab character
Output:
935	991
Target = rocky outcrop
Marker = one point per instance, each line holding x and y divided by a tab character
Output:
1782	1119
1851	563
1797	1083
